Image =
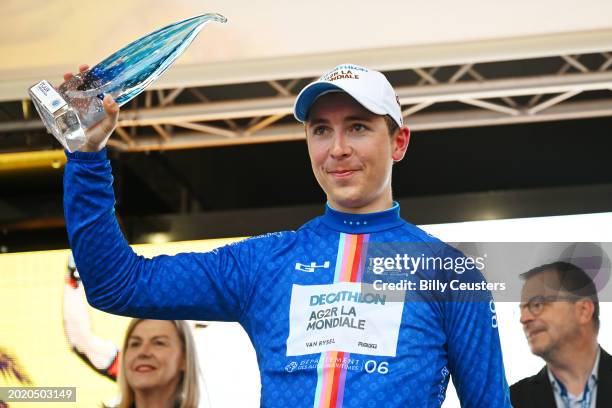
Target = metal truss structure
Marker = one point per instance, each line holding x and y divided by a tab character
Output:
482	84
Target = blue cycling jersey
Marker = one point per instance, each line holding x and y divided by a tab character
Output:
322	338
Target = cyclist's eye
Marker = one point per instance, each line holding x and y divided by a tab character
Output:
319	130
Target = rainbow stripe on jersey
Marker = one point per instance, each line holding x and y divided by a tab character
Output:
331	370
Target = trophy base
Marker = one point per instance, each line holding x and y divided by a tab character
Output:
66	116
64	124
69	126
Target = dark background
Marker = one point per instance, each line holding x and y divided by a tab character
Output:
447	175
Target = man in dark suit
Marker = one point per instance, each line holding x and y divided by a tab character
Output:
560	317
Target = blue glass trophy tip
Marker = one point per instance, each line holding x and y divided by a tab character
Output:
217	17
123	73
197	20
77	103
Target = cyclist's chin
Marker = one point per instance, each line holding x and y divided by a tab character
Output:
349	200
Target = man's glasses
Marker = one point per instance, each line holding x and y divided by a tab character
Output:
537	303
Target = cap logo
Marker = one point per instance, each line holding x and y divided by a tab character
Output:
340	74
345	71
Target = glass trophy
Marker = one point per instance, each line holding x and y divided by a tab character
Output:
77	104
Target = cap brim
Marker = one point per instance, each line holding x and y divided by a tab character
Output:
308	95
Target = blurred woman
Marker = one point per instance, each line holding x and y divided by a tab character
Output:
159	365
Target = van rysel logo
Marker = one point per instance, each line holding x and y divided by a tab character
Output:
311	267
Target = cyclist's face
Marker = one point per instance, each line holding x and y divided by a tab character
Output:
548	324
352	153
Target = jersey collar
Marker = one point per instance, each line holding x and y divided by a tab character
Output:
362	223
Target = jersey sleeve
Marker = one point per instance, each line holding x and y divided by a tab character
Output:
474	350
215	285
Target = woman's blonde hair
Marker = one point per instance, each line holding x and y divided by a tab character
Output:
187	393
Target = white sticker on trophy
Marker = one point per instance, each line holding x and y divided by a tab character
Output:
48	96
345	316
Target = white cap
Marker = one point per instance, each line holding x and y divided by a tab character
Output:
368	87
